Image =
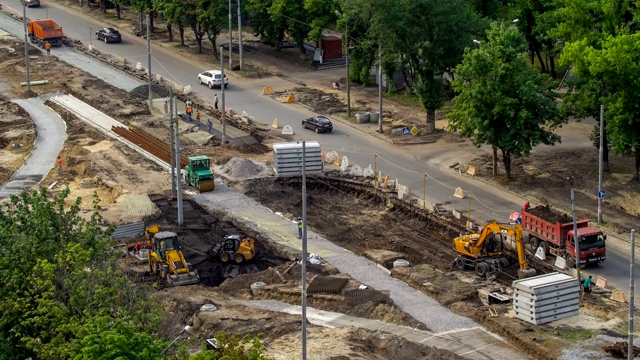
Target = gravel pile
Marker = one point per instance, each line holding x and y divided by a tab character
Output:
239	167
143	91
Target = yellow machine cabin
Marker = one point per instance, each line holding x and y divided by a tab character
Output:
167	260
235	247
485	252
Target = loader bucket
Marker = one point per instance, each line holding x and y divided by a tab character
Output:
525	273
206	185
185	279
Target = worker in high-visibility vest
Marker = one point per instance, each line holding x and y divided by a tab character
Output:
299	228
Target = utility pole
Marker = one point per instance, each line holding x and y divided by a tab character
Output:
346	37
380	92
178	167
149	59
230	42
26	44
240	33
304	252
576	238
222	110
172	145
632	289
600	164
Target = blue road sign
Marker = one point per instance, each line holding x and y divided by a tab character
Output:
406	130
601	194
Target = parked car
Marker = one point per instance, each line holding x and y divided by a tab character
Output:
212	78
31	3
318	124
108	35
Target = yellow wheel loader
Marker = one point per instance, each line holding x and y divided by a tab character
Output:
485	252
236	248
166	259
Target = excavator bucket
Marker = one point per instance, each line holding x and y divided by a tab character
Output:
206	185
526	273
184	279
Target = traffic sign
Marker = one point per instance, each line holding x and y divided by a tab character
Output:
414	131
601	194
406	130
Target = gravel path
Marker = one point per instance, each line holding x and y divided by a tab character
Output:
47	148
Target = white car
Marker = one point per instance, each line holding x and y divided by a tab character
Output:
212	78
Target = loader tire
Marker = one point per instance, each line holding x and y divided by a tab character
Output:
239	259
224	257
153	266
482	269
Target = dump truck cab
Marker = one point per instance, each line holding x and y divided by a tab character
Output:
198	173
166	260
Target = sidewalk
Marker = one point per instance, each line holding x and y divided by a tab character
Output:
472	343
51	134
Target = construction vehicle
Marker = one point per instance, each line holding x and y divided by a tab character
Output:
198	174
236	247
485	252
42	31
166	260
553	231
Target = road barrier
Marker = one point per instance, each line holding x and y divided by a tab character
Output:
459	193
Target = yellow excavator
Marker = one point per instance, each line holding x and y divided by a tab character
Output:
166	258
485	252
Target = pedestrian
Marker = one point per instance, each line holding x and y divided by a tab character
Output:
166	107
189	111
209	125
137	247
59	165
526	206
47	47
215	101
198	117
588	283
220	120
299	227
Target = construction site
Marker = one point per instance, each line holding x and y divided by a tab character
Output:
424	308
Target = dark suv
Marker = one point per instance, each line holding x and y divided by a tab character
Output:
318	123
108	35
31	3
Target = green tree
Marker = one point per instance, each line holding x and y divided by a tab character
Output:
617	64
232	347
211	17
60	281
503	101
425	37
590	23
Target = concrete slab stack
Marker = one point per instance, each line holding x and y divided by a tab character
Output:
545	298
287	158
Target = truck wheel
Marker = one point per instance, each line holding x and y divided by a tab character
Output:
504	263
481	269
534	242
458	263
571	263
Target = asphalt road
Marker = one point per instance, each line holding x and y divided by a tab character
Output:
407	164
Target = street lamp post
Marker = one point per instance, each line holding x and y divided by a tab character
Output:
346	50
240	33
230	42
26	44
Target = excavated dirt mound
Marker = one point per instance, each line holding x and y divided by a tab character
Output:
239	167
545	213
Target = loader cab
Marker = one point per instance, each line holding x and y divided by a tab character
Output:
165	241
231	243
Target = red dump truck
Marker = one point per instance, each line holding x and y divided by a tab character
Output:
45	30
553	231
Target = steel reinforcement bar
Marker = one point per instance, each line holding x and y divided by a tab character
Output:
149	143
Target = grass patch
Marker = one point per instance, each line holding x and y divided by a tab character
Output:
577	335
403	98
244	73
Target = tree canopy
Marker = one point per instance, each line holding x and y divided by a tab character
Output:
502	100
63	294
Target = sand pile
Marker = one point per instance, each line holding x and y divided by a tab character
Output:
239	167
